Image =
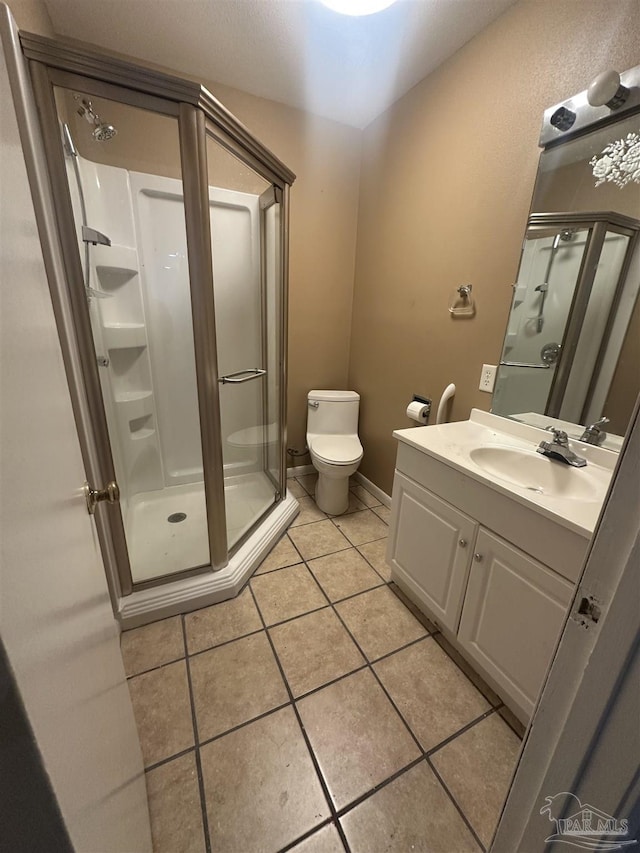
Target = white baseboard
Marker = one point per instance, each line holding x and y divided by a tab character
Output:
383	497
181	596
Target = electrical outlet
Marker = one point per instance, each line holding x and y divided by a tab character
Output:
488	377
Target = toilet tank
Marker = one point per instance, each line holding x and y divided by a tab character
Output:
336	413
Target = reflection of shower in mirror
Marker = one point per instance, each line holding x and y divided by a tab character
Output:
102	131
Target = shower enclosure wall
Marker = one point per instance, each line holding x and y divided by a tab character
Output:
172	226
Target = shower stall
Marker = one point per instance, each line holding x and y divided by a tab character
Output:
172	224
571	307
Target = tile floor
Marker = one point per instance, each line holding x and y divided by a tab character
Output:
318	711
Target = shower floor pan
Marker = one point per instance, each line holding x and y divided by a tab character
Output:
159	547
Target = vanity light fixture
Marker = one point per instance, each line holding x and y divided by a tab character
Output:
357	7
563	118
610	96
606	90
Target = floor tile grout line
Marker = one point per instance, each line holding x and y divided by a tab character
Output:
330	821
328	554
257	574
332	519
455	803
312	755
408	645
333	681
173	757
375	675
194	720
346	597
364	557
224	642
448	740
245	723
367	794
365	665
155	668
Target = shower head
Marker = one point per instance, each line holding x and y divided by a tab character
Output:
101	131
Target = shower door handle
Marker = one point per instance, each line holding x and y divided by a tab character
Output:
524	364
242	376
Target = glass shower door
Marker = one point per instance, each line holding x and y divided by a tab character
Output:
123	165
245	237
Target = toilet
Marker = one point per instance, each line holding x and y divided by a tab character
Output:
334	446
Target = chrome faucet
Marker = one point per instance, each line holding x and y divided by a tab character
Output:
593	434
559	449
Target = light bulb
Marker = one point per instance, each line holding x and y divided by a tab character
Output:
357	7
606	89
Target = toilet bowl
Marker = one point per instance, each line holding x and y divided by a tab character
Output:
334	446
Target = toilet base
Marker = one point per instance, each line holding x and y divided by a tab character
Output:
332	494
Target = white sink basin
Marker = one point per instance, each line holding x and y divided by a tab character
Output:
530	470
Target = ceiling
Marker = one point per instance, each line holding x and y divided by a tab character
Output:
297	52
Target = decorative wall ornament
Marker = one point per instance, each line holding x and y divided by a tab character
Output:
619	162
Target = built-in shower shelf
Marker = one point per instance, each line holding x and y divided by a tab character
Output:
140	434
124	335
135	404
123	259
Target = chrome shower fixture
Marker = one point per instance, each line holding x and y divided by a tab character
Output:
101	130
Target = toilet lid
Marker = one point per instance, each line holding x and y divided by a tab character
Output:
337	449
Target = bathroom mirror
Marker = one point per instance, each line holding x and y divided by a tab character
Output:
571	350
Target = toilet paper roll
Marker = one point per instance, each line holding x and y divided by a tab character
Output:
418	412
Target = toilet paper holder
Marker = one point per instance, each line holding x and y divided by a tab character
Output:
423	402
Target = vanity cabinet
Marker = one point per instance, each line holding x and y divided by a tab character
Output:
500	605
513	612
431	544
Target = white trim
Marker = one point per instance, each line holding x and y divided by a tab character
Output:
383	497
181	596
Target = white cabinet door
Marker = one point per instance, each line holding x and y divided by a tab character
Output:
512	616
429	548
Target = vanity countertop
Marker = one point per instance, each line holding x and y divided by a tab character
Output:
572	497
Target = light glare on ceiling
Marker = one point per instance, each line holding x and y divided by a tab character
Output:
357	7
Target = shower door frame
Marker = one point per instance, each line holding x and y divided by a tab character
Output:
53	63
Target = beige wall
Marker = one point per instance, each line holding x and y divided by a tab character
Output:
32	16
446	181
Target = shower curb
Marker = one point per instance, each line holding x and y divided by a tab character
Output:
182	596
